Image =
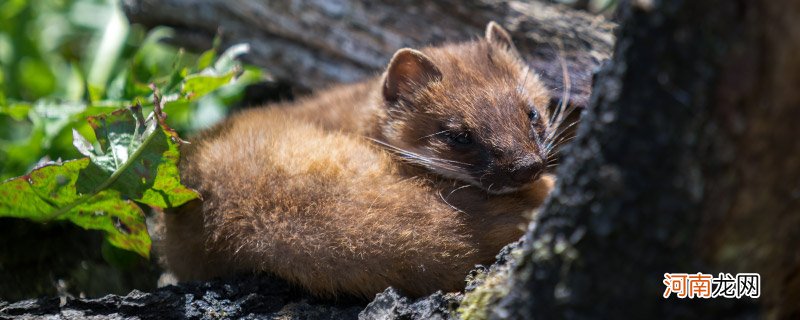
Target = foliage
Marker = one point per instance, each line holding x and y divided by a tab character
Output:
63	62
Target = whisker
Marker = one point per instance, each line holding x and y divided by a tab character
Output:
566	80
557	111
527	73
563	110
443	164
562	142
561	131
552	159
570	109
563	116
555	146
448	203
482	176
431	135
456	189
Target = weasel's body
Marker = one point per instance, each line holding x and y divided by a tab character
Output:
408	180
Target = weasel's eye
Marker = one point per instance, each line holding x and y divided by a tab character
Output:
459	138
533	116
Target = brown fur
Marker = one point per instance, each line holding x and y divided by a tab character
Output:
303	191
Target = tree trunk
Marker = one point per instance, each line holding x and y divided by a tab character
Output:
315	44
688	161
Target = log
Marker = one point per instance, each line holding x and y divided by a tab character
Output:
314	44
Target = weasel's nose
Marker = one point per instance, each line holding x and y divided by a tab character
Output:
525	174
526	170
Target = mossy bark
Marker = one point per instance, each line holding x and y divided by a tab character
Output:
687	161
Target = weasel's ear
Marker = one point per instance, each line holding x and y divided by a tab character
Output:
408	71
495	34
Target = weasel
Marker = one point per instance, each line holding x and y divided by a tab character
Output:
406	180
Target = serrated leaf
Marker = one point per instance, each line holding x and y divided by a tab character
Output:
136	160
51	193
140	155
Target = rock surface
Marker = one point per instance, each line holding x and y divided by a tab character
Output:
243	297
249	297
391	304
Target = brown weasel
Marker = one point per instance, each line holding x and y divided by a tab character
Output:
406	180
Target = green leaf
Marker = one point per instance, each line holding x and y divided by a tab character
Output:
136	160
88	62
51	193
52	117
198	85
228	60
108	46
43	83
17	111
206	59
139	155
221	74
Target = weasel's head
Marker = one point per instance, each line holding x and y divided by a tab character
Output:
471	111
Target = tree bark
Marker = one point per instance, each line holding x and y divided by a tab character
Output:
688	161
314	44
